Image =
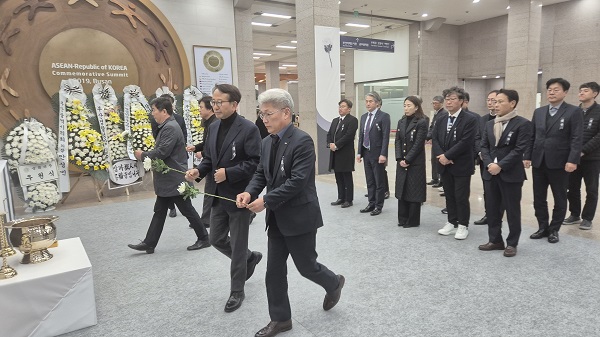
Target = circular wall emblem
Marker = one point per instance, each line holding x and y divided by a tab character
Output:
213	61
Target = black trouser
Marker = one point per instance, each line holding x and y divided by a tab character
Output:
171	206
160	214
345	186
434	167
558	180
485	202
588	171
457	190
302	248
409	213
375	175
229	235
206	207
503	195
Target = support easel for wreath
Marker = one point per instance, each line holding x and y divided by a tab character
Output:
98	187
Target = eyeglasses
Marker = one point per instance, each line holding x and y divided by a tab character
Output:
218	103
555	90
267	115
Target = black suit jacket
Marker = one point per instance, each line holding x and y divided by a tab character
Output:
514	142
291	192
457	145
479	136
200	146
436	117
239	156
561	142
379	134
342	159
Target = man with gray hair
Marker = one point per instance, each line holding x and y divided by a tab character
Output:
293	214
438	110
373	142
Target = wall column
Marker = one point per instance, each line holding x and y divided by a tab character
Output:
272	74
245	62
349	85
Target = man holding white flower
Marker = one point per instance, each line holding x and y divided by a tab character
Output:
170	148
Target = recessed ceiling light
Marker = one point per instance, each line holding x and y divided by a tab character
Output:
342	74
507	7
261	54
262	24
359	25
294	41
343	33
475	1
540	5
424	15
282	68
498	76
539	72
484	76
285	47
276	16
339	2
256	57
289	65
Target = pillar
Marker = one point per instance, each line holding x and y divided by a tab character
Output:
245	63
272	74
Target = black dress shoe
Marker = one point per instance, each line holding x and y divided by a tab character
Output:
482	221
542	233
445	211
433	182
199	245
492	246
337	202
252	216
437	185
553	237
251	265
366	195
273	328
142	246
367	209
172	213
235	301
347	204
376	211
442	194
386	195
406	225
331	299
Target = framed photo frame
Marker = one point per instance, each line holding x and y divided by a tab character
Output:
213	66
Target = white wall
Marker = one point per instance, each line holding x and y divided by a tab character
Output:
204	23
375	66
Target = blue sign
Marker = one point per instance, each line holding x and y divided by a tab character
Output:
363	43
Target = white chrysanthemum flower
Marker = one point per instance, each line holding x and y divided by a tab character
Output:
147	164
181	188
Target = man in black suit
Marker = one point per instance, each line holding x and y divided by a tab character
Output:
453	144
208	116
555	153
232	152
589	167
491	102
340	141
506	138
438	107
373	142
293	215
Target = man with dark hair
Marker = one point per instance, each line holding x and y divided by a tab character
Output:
373	142
506	138
589	167
208	116
170	147
231	153
340	141
438	107
491	102
556	152
453	143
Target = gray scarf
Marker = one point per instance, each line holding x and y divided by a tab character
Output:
498	124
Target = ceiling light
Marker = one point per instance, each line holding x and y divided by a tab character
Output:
424	15
342	74
484	76
260	81
508	7
359	25
261	54
276	16
282	68
540	5
498	76
339	2
343	33
539	72
475	1
285	47
256	57
262	24
289	65
294	41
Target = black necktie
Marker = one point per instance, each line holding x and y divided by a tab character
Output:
274	147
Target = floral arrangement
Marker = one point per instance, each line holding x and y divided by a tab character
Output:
86	149
196	122
141	129
111	122
191	114
42	196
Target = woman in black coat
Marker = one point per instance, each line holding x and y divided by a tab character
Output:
410	155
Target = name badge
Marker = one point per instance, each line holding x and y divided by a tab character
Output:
233	150
282	165
590	123
412	135
508	138
454	135
378	128
562	124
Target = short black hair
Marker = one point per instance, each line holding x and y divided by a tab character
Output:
347	101
231	90
512	95
163	103
467	97
459	92
590	85
206	100
171	98
493	92
563	83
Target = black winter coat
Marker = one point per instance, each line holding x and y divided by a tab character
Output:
410	146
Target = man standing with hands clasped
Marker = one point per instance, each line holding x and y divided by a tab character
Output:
232	152
293	215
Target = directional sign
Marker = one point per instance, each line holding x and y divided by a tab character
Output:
363	43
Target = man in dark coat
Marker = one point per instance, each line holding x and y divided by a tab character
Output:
293	215
340	141
231	153
556	152
438	106
170	147
505	140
